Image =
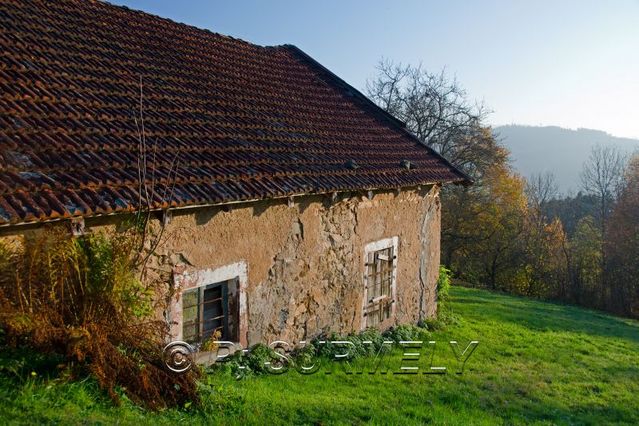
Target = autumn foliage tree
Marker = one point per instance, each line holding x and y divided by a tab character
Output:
490	235
492	253
622	245
514	234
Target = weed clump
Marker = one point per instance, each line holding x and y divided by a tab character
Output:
86	299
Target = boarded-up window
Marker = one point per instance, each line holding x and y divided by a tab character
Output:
208	311
379	285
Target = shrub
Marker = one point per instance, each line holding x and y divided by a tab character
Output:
84	298
443	284
359	348
404	332
445	315
242	365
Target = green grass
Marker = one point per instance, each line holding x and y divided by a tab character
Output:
537	362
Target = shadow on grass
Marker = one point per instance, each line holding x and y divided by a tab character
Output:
542	316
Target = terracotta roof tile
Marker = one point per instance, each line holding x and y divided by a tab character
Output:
242	121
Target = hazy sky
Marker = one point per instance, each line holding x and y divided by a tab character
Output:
567	63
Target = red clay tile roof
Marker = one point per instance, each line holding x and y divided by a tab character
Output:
246	122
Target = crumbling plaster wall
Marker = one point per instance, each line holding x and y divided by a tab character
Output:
304	260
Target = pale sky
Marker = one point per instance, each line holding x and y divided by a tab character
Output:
566	63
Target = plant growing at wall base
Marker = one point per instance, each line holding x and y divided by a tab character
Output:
83	298
445	314
92	299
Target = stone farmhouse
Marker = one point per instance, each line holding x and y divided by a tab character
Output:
296	206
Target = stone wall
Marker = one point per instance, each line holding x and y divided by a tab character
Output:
301	264
305	260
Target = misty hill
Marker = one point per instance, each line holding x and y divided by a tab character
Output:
555	149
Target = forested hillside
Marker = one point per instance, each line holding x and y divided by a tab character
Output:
543	149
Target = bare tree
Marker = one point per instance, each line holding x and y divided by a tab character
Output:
602	176
540	189
437	110
434	107
546	248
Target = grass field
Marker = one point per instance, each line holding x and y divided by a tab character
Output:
537	362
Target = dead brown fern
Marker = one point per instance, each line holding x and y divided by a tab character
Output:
82	298
91	299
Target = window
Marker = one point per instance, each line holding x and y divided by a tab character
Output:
379	281
207	311
210	300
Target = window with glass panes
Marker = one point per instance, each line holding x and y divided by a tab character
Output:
379	283
205	311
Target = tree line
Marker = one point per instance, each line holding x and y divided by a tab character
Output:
513	234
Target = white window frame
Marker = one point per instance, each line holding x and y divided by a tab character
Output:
189	280
371	248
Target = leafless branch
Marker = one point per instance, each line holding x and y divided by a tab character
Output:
433	106
147	187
